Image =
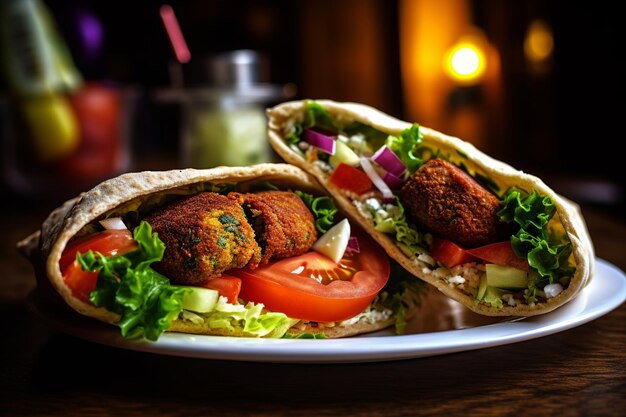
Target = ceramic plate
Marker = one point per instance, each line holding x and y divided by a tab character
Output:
443	327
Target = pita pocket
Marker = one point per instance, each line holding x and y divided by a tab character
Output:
487	235
217	224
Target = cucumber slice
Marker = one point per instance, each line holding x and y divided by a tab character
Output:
344	154
200	300
506	277
482	287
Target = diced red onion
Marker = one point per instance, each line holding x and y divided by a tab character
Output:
392	181
376	179
353	245
319	140
389	161
113	223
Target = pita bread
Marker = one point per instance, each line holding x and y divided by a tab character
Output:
283	118
117	195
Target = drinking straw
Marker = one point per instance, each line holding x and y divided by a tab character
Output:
175	34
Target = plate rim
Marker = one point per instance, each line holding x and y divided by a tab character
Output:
363	348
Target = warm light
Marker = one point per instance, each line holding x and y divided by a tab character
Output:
465	62
539	42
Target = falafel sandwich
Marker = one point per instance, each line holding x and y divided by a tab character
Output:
494	238
258	251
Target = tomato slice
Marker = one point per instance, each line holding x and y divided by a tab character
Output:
500	253
80	282
449	253
227	285
312	287
350	178
108	243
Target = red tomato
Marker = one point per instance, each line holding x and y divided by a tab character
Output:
228	286
80	282
500	253
291	285
449	253
350	178
108	243
98	109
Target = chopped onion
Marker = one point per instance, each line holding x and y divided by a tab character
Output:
113	223
389	161
376	179
353	245
392	181
552	290
319	140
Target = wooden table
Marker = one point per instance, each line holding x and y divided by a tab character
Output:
578	372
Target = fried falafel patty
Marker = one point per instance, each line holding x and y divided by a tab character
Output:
204	235
449	202
283	224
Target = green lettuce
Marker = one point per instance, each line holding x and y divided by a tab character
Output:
391	219
405	147
323	209
547	253
314	116
249	318
147	303
127	285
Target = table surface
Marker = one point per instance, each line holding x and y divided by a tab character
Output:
581	371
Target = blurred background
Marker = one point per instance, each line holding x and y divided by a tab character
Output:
133	85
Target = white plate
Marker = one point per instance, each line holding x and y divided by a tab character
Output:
458	329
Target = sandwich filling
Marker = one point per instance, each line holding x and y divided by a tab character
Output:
501	245
229	260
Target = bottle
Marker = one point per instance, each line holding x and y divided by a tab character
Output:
64	134
39	70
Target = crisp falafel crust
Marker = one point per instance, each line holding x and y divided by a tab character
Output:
283	224
449	202
204	235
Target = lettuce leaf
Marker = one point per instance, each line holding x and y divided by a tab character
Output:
147	303
323	209
405	147
314	116
127	285
547	253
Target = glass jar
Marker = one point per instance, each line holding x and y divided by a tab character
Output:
223	120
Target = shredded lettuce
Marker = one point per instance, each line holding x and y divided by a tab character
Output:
493	297
249	318
390	219
548	253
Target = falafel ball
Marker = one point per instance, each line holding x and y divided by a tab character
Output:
204	235
449	202
283	224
